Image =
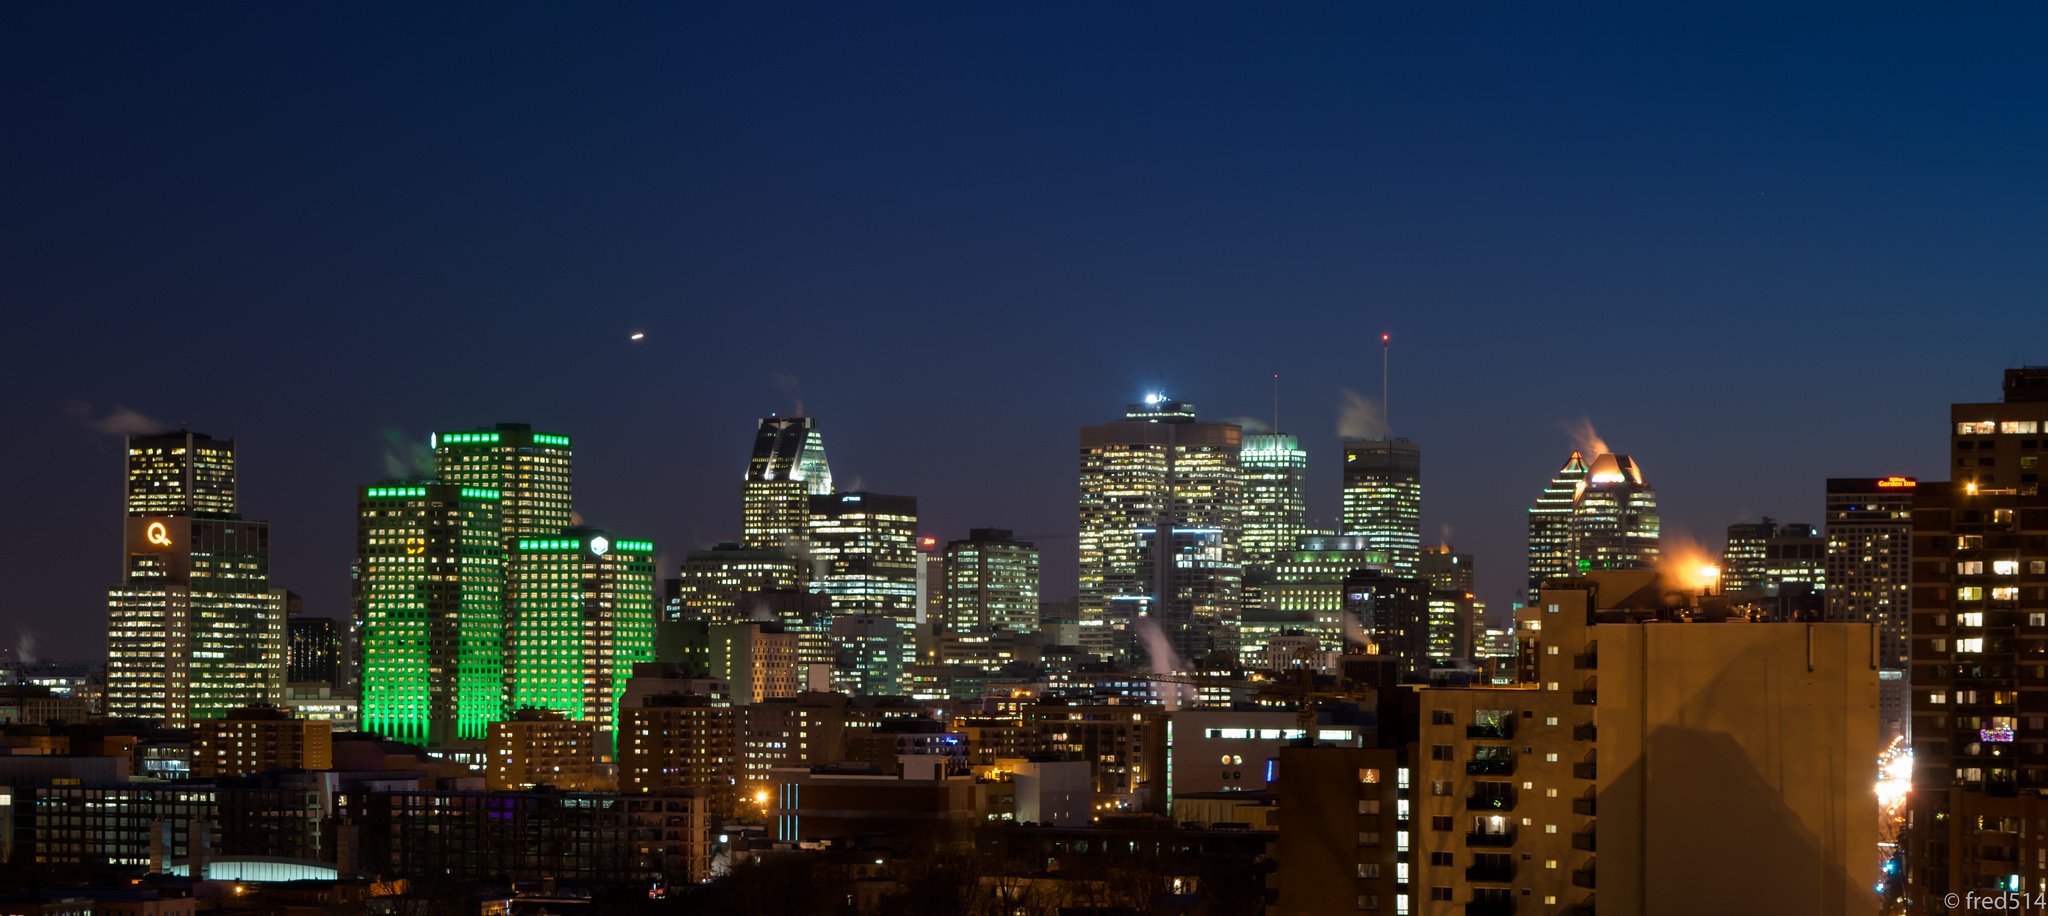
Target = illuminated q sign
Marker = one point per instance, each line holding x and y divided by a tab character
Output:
157	534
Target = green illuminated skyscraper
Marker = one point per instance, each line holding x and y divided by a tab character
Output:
429	607
579	614
532	470
194	628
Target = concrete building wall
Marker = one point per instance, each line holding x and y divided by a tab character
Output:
1737	749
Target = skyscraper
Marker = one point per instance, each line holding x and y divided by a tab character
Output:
991	582
1762	556
1383	498
714	585
1274	467
579	614
429	604
788	467
1979	628
1869	533
1614	517
532	471
1446	571
1551	552
1155	469
864	553
1596	516
194	629
313	650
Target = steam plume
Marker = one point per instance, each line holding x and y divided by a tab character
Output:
1163	659
406	456
790	386
1252	425
1360	418
1585	439
120	421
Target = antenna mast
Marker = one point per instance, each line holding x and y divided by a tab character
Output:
1276	402
1386	415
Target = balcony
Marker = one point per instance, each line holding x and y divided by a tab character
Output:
1587	660
1585	732
1585	697
1582	909
1502	730
1500	873
1583	877
1583	805
1490	766
1583	840
1499	906
1585	770
1485	838
1502	799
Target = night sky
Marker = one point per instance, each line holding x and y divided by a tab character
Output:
1756	248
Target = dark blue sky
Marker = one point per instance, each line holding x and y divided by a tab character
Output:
1756	247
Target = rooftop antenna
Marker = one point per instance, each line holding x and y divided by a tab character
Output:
1386	416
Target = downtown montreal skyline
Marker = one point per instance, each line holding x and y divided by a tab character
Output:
1012	461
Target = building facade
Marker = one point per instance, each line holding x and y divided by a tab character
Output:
430	608
864	555
1383	498
194	628
579	614
532	473
991	582
1275	471
787	468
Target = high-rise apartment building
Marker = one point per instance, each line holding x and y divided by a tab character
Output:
864	555
430	608
1383	498
254	739
1274	468
1593	516
787	468
532	473
991	582
542	747
579	614
1979	635
1869	534
1590	774
1156	469
194	628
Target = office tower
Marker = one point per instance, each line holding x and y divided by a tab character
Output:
1593	516
1979	630
872	655
1446	571
1762	556
1308	584
1453	625
1155	469
182	473
313	650
1519	782
788	467
256	739
1551	552
1394	610
931	580
718	584
531	472
1193	593
430	608
864	553
1274	467
1383	498
579	614
991	582
194	628
1869	533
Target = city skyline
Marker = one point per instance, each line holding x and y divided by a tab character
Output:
1330	184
